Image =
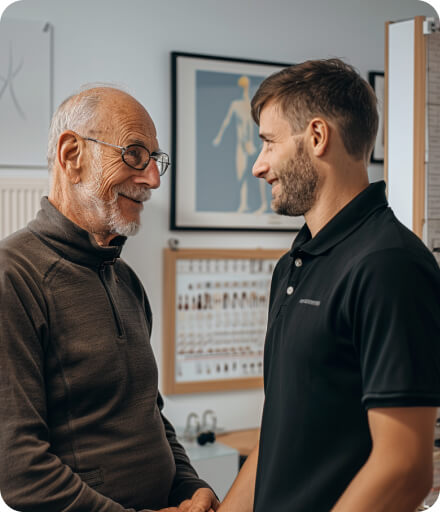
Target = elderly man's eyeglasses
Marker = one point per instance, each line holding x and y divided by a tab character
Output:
138	157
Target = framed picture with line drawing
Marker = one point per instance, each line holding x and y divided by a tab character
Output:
215	143
25	92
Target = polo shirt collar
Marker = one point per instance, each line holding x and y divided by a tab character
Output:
343	223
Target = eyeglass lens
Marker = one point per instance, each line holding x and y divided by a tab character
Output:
138	156
162	161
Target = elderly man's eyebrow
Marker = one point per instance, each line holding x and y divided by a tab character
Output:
266	136
152	148
137	141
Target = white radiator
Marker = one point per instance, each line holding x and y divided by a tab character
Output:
19	201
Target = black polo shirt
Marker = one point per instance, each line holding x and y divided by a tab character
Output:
354	324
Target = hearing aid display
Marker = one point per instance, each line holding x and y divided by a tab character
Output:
202	433
217	330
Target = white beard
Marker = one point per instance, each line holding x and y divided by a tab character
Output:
104	216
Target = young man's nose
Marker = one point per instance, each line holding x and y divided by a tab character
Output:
260	167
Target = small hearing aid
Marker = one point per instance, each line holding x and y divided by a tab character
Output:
192	427
207	434
173	244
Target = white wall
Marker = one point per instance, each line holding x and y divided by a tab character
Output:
130	42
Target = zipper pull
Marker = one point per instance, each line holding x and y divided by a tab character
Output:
105	263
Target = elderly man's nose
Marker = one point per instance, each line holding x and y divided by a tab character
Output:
149	176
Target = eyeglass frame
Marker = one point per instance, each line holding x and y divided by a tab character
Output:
152	154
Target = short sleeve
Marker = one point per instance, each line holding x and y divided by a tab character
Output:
395	311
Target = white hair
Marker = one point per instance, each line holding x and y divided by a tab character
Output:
75	113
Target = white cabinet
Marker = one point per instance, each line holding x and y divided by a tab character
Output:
215	463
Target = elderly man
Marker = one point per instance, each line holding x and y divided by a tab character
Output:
81	422
352	356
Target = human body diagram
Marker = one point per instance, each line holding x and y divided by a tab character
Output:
240	110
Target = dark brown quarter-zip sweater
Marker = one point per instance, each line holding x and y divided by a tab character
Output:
81	428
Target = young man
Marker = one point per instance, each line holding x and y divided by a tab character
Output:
80	411
352	356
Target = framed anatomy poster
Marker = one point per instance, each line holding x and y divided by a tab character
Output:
215	315
215	144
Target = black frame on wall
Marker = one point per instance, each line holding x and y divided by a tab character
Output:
188	144
377	82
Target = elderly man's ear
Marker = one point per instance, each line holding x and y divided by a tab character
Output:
70	155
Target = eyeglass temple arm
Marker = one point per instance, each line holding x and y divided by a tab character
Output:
102	142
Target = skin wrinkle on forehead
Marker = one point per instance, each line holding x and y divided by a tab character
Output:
129	133
120	119
126	122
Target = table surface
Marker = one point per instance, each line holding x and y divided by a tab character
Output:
243	441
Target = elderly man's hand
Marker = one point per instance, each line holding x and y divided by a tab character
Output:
203	500
168	509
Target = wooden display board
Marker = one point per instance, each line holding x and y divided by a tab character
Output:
405	100
215	315
412	156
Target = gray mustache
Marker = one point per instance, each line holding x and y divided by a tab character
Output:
137	193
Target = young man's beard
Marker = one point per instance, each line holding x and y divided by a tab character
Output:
298	180
104	216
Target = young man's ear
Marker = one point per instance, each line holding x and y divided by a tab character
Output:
69	155
319	136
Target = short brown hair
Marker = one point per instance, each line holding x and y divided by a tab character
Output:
329	88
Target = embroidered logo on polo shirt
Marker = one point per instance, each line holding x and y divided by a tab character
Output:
310	302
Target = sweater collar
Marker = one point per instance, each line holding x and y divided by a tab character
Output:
343	223
69	240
